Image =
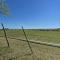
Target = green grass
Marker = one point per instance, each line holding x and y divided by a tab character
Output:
46	36
19	50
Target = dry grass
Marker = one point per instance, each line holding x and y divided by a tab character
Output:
19	50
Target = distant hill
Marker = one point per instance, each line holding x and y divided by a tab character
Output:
56	29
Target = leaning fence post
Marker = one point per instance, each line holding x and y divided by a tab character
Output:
27	40
5	34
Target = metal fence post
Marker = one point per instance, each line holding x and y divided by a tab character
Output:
27	40
5	35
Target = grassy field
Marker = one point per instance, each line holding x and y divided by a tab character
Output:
19	50
45	36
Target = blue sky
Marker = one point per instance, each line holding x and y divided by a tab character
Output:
32	14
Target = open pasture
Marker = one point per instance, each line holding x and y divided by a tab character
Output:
19	50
